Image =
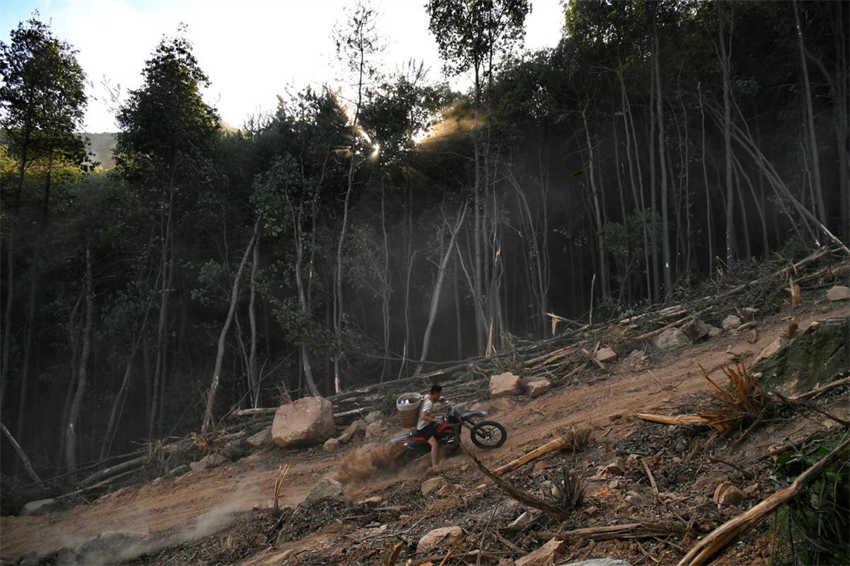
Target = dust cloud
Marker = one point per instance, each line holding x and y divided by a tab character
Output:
369	461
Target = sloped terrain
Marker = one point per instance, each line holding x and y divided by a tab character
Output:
657	480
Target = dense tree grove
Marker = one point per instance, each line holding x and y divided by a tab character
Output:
357	237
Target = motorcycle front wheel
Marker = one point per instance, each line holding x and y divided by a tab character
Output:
488	434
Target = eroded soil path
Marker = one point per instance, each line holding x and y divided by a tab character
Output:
173	510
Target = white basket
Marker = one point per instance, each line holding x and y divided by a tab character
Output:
407	405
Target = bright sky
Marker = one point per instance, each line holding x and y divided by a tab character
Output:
252	50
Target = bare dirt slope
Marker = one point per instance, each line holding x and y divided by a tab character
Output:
169	511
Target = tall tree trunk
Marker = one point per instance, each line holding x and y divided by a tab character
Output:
708	220
438	287
725	63
385	288
810	121
7	313
253	375
633	159
658	101
597	208
121	397
166	267
222	337
82	373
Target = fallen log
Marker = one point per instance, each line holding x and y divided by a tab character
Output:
558	444
819	390
643	529
112	470
519	495
256	411
676	420
731	530
22	455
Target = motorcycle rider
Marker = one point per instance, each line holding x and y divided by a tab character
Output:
426	426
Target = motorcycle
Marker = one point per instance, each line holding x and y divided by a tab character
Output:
483	433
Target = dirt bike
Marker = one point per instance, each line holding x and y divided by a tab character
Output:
484	434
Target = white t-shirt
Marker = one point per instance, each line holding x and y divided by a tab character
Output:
427	405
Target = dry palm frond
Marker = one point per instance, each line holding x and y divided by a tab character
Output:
571	490
743	402
577	439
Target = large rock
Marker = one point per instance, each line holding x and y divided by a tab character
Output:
505	384
305	422
438	537
373	417
696	330
38	507
838	293
727	494
325	488
357	427
671	338
605	353
813	358
262	438
538	387
543	556
236	449
731	322
599	562
374	431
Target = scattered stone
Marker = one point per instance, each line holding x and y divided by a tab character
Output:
727	494
633	498
696	330
438	537
433	485
236	449
326	487
177	471
599	562
543	556
505	384
636	360
538	468
604	354
615	468
357	427
753	336
262	438
330	445
373	417
591	510
713	331
212	460
374	430
538	387
671	338
731	322
38	507
305	422
614	484
838	293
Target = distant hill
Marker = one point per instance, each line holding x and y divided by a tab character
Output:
101	145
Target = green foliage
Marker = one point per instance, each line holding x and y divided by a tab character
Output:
42	95
167	130
816	524
470	34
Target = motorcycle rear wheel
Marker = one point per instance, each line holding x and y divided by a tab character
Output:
488	434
